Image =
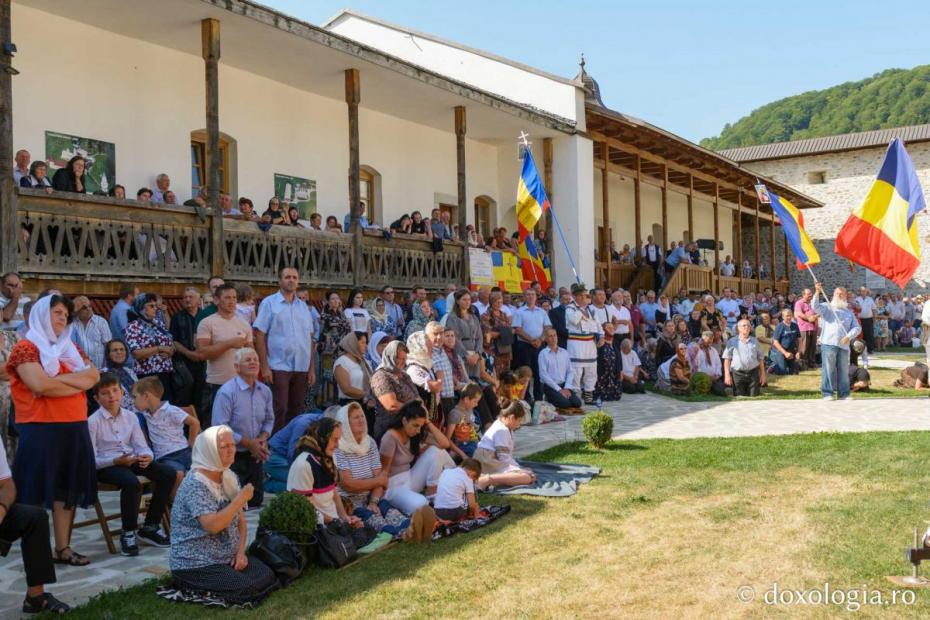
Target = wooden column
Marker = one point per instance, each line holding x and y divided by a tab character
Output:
717	235
8	217
665	235
637	215
690	208
738	235
460	167
787	264
758	244
772	252
547	179
353	96
210	49
605	206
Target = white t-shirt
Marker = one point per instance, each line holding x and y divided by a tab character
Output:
300	480
356	374
482	307
499	439
620	314
866	306
629	361
358	318
454	485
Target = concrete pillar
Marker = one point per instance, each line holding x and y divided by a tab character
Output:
573	171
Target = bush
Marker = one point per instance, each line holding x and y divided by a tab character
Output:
292	515
700	383
598	428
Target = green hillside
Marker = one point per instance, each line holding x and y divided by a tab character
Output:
892	98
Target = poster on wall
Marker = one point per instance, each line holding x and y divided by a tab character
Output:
100	157
496	268
481	268
297	191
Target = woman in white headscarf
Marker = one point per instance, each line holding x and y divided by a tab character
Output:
208	528
379	340
362	481
54	465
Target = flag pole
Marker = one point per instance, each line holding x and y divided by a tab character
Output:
827	301
523	140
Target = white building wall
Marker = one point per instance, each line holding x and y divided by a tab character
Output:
849	176
147	99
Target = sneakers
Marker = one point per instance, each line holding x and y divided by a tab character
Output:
828	397
152	536
128	545
847	398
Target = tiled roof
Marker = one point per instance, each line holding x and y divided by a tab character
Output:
828	144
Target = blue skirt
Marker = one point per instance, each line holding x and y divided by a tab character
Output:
55	462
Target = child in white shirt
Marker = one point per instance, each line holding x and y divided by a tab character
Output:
455	496
495	451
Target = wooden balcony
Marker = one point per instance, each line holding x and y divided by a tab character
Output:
66	237
695	278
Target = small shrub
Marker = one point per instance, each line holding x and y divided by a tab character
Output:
290	514
700	383
598	428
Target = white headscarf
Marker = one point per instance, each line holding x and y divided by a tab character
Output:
374	358
347	442
53	350
206	455
418	351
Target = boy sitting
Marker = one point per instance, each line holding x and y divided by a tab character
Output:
165	424
455	494
459	426
122	454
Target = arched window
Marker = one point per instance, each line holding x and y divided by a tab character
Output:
199	162
370	193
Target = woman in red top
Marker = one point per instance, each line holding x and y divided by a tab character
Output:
54	465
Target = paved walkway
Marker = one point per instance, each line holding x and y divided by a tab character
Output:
643	416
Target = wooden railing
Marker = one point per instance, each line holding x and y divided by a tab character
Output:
625	276
79	237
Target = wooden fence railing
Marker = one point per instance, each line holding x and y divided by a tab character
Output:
74	236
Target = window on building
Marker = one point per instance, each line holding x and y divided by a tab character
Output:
817	177
483	216
199	162
366	191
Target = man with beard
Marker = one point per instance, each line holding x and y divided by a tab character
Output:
838	327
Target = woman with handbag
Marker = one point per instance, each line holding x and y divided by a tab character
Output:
208	529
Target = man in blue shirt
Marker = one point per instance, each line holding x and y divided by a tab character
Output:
244	404
362	220
648	310
676	257
284	341
838	327
282	446
118	315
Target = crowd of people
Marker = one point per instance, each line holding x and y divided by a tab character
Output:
383	413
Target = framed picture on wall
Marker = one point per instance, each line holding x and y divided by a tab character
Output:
296	192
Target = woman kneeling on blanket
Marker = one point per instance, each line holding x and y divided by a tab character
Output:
208	529
362	481
495	451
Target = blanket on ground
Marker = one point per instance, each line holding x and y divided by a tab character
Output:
489	514
552	479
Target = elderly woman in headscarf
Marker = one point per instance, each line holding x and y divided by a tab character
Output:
150	342
420	371
362	481
379	340
208	528
55	465
313	472
351	371
116	354
421	313
391	386
380	320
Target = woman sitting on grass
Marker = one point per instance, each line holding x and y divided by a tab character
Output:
208	529
495	451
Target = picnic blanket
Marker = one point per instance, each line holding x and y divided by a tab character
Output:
552	479
489	514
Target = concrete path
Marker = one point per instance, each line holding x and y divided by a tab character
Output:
643	416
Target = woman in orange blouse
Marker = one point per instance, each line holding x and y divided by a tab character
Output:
54	465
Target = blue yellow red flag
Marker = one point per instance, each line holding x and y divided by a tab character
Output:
531	263
882	233
532	201
792	224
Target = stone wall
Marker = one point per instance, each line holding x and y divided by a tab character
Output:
848	177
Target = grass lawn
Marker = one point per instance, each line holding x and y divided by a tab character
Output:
807	385
671	529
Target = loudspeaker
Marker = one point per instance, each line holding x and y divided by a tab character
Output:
708	244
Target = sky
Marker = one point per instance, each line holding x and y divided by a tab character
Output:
688	67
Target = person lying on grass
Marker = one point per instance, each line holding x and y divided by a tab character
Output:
455	498
495	451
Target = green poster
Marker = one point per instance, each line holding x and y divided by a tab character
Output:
297	191
100	169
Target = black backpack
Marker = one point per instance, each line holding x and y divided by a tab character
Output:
280	553
335	545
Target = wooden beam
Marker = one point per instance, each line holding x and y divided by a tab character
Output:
460	168
353	97
738	251
547	179
8	207
665	235
605	215
758	243
210	49
637	210
717	232
690	208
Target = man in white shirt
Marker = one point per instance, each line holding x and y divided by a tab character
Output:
508	308
867	317
583	334
21	169
632	375
729	306
620	315
528	324
728	269
555	374
896	314
599	308
91	331
484	299
12	301
162	185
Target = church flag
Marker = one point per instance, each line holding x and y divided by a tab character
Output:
532	203
881	234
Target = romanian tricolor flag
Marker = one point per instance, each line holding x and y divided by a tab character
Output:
532	203
792	223
882	233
